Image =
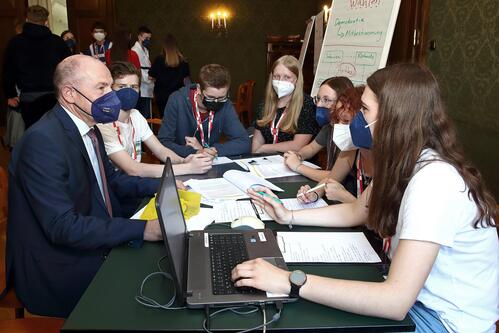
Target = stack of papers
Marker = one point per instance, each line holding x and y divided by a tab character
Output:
270	166
232	186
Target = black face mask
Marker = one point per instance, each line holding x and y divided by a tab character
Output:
213	106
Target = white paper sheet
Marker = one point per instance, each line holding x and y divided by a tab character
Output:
270	166
294	204
244	180
326	247
137	215
216	189
222	160
229	211
232	186
198	222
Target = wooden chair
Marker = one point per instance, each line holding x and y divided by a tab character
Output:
244	102
30	325
10	300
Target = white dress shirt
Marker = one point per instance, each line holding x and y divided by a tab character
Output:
84	129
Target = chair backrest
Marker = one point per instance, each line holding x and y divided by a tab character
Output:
244	101
3	200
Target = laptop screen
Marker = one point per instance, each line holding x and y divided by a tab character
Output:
171	220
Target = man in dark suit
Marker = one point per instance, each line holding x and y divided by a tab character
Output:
29	64
64	194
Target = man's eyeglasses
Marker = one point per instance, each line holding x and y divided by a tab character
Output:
324	100
222	99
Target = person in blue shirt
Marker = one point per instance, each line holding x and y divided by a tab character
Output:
196	117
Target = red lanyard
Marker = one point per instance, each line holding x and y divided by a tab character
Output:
97	49
200	123
118	131
360	183
274	128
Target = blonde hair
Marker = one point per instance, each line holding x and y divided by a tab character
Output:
173	56
290	122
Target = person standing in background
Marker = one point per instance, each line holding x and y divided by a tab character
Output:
29	64
122	48
15	124
170	71
69	38
98	48
146	84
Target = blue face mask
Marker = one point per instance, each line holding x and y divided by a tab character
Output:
105	109
322	115
146	42
128	98
361	134
71	43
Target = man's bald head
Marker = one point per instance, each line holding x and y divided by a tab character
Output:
79	80
75	69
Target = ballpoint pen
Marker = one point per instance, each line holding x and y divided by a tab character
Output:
312	189
207	146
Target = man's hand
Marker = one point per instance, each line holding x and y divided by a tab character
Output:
13	102
212	152
180	185
152	231
193	142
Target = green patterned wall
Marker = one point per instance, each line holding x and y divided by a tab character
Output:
243	51
466	62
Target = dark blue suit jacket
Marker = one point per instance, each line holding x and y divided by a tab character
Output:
59	231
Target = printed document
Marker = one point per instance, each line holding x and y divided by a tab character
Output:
270	166
326	247
294	204
232	186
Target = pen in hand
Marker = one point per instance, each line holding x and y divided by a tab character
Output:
268	195
312	189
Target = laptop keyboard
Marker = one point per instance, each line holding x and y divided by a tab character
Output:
226	251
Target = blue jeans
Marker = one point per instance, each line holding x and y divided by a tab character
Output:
426	320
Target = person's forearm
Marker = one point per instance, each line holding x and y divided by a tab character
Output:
312	173
165	153
309	151
144	170
342	215
377	299
280	147
182	169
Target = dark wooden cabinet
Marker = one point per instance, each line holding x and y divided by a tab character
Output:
83	13
409	42
279	46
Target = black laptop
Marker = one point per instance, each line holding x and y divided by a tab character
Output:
201	261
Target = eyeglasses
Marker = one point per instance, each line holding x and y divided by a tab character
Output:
324	100
222	99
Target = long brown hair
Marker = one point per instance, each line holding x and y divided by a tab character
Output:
412	117
351	103
173	56
122	43
290	122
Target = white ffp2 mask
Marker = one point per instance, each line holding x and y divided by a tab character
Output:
342	137
283	88
99	36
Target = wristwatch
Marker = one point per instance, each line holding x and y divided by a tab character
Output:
297	280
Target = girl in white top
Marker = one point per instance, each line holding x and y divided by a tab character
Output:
427	198
123	139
